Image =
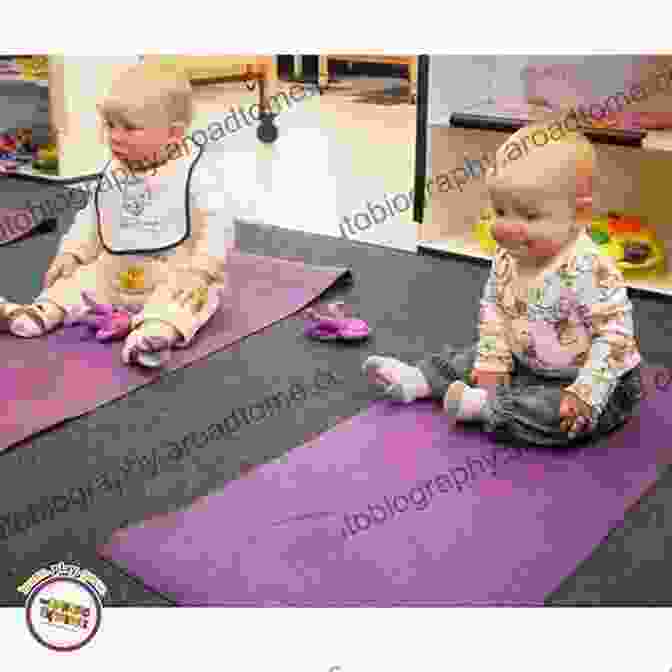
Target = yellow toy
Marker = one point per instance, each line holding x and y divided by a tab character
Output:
482	230
634	246
132	279
47	158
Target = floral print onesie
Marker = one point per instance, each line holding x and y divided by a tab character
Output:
571	331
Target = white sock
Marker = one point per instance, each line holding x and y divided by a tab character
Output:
465	403
406	383
26	327
150	343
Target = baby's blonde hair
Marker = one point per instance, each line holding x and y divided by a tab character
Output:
555	129
149	95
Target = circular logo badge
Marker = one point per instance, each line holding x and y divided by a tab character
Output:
63	614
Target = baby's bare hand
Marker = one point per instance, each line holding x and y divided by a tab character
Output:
575	415
63	266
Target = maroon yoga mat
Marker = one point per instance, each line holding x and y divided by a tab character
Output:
44	381
396	508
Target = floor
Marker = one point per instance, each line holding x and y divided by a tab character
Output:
319	170
336	153
390	289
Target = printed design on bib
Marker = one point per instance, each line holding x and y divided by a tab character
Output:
132	278
134	203
194	299
136	200
146	216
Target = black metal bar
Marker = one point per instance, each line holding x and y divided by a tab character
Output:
51	180
622	137
421	117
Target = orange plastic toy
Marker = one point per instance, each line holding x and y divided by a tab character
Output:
621	224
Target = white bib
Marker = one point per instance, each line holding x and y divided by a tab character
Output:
144	216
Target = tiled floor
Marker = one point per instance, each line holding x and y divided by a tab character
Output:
333	155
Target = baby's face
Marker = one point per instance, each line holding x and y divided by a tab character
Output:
530	223
132	143
534	199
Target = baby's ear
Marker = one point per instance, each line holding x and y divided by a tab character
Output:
490	174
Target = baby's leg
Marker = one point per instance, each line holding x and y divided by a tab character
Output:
530	414
172	316
29	321
524	411
529	411
465	403
48	310
150	343
429	378
397	379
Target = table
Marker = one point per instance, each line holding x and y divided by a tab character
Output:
258	69
411	62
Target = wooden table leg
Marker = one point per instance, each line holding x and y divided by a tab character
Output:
269	71
264	70
324	71
263	97
412	79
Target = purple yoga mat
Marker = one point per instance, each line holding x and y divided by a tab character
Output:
279	536
15	224
44	381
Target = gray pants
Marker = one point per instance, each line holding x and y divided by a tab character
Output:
529	409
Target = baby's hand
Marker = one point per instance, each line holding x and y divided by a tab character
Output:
575	415
489	379
63	266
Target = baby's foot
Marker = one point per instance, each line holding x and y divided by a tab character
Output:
398	380
30	321
150	344
464	403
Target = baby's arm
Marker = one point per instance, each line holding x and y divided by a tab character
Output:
214	238
607	312
82	240
80	245
493	361
213	228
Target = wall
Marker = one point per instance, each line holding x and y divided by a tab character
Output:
456	81
77	84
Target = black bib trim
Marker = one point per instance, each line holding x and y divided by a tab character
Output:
157	250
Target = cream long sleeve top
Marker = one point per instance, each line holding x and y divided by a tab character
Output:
141	207
576	321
